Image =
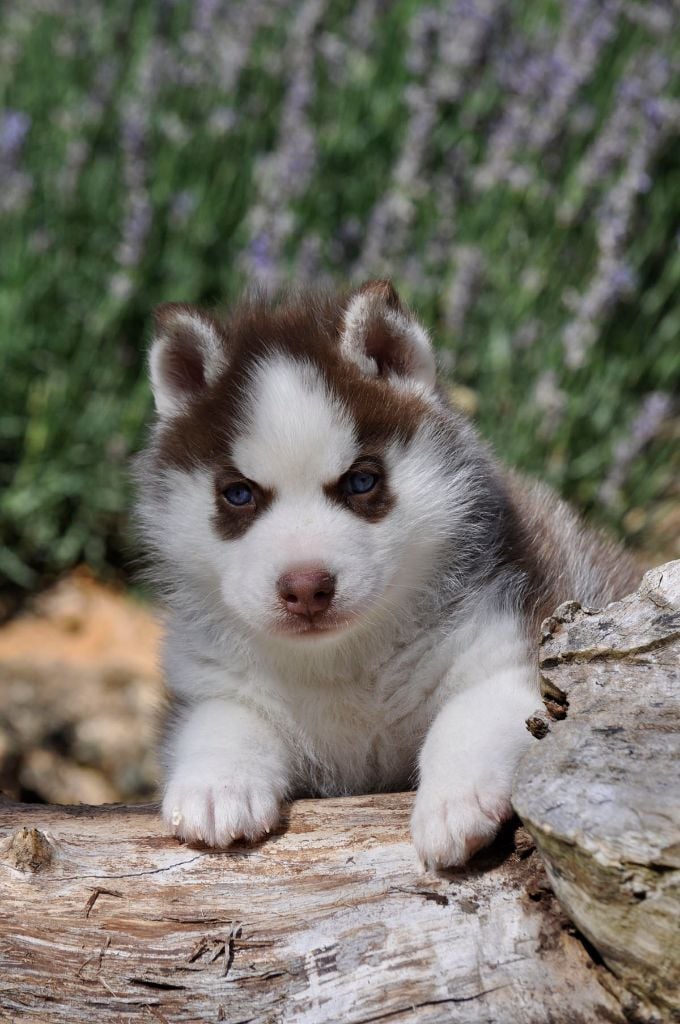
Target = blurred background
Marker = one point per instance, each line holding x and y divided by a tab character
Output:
513	166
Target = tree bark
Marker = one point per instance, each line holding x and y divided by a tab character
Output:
329	920
600	793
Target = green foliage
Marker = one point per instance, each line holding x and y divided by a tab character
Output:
515	169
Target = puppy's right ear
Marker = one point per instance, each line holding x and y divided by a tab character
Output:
384	338
188	353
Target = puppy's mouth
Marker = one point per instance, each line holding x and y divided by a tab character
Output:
315	626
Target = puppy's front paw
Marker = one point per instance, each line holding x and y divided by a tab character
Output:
220	809
449	824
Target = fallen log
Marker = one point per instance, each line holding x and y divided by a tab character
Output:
600	794
329	920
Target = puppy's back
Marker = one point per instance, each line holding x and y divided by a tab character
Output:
564	558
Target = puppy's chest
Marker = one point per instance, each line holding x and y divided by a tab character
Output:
364	732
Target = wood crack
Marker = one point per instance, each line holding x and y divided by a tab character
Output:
410	1007
588	656
134	874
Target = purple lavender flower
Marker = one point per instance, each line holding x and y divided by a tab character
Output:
14	127
551	401
17	184
204	14
655	409
135	230
459	297
259	253
283	175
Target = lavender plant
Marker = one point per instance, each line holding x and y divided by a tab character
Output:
514	167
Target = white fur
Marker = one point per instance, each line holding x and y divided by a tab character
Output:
469	757
425	678
168	398
358	724
294	433
363	308
232	777
357	319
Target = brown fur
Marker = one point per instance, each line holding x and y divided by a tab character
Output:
304	331
232	521
374	505
562	557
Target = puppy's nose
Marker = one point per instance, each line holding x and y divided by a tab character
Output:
307	592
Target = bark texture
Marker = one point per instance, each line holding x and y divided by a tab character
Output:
104	918
600	793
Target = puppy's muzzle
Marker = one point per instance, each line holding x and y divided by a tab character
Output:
308	592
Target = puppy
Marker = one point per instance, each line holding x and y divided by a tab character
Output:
354	585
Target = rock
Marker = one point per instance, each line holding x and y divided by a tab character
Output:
79	690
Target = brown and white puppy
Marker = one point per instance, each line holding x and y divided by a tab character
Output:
354	584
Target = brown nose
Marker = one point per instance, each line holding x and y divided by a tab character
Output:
307	592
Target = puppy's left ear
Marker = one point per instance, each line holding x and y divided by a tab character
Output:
381	335
188	354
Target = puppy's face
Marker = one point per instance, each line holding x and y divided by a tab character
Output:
296	469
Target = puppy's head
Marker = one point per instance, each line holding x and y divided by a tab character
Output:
296	472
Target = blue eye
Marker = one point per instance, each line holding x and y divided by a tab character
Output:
238	494
360	482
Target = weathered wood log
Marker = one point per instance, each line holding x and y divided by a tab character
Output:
105	918
600	793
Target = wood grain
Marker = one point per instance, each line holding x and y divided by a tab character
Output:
104	918
600	793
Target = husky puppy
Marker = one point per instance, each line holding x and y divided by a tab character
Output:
354	585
